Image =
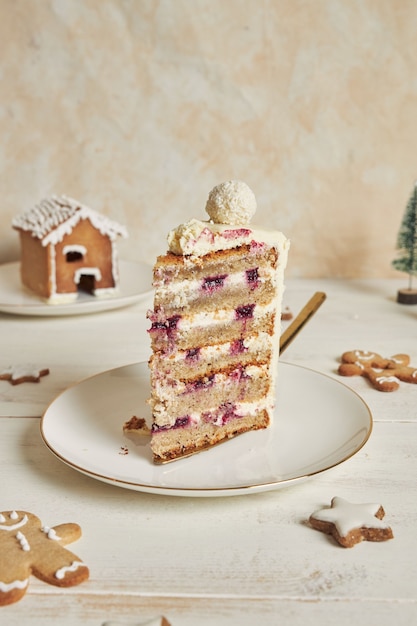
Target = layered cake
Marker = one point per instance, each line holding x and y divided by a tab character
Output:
67	247
215	327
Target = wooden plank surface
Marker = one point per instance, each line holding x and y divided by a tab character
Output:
238	560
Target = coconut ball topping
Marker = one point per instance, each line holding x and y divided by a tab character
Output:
232	202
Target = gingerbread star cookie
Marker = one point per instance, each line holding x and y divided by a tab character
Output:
28	373
156	621
383	374
352	523
28	547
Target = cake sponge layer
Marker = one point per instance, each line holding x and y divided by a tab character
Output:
178	442
197	360
175	398
191	332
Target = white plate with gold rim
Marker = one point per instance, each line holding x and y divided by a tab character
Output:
319	423
135	285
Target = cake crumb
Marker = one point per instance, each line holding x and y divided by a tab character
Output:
137	425
286	315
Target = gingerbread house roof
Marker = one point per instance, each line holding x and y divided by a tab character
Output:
56	216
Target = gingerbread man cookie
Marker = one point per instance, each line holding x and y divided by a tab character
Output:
351	523
383	374
27	547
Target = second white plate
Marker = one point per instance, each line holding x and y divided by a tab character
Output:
135	285
319	423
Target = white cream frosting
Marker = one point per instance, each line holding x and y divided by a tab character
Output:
260	342
196	238
221	316
221	380
239	409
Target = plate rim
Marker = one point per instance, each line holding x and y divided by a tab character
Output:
206	491
39	308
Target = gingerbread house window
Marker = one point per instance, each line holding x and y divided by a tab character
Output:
74	253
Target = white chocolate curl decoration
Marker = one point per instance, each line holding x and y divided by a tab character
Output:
232	202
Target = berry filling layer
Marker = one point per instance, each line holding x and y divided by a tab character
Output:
213	283
244	312
219	417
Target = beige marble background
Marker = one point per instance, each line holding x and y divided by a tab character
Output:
139	107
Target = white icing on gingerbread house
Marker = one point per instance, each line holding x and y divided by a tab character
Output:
65	246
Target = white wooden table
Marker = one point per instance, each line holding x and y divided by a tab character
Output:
244	560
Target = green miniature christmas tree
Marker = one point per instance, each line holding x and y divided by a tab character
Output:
406	260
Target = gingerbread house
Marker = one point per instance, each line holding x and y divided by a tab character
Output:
67	247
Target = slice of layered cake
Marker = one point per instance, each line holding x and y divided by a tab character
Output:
215	327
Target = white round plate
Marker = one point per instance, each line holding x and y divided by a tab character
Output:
319	423
135	285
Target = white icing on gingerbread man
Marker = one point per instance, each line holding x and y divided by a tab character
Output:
383	374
